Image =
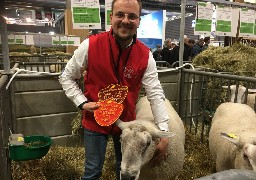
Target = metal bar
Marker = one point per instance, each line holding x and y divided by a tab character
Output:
229	3
182	28
4	39
219	75
187	100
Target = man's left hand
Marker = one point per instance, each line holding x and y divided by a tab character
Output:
161	151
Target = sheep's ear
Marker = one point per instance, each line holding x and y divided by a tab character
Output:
122	125
252	90
232	138
225	87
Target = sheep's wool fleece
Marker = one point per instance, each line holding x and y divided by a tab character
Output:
235	118
170	168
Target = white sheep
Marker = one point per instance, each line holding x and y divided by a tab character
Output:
139	139
231	174
241	95
56	68
232	137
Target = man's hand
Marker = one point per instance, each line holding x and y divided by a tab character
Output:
91	106
161	152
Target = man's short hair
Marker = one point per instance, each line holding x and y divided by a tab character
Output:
206	39
192	41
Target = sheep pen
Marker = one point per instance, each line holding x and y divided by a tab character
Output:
68	163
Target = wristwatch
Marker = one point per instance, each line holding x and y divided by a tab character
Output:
82	104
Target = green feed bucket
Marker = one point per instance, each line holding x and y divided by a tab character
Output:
35	147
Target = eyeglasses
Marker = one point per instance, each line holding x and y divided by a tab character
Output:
131	16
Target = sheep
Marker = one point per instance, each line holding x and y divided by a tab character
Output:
139	139
231	174
58	67
238	149
241	92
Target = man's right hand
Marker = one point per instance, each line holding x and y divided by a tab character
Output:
91	106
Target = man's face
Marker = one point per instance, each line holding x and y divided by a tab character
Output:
169	44
201	43
125	19
186	40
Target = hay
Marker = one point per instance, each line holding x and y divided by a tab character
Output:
67	163
59	163
237	59
198	160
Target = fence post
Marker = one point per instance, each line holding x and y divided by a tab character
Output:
5	124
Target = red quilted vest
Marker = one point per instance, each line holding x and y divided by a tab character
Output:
103	55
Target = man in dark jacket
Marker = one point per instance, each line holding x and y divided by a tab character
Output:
197	48
207	41
166	52
157	53
186	53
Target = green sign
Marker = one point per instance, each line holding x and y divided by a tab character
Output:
203	25
86	15
223	26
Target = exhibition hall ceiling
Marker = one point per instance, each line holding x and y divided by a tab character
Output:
169	5
21	12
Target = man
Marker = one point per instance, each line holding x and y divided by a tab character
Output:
186	53
207	41
197	48
33	50
157	53
166	52
114	57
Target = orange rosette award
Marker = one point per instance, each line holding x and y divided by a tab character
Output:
108	112
111	107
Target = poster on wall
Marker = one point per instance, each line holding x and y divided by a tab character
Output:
73	41
223	20
30	40
86	14
55	40
11	39
66	40
203	21
155	34
20	39
247	21
108	11
63	40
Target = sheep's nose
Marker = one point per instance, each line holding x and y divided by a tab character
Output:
126	176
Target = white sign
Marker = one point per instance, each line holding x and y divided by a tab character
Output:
247	21
86	14
204	14
108	10
30	40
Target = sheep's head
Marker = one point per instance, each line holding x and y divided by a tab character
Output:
246	151
138	144
241	92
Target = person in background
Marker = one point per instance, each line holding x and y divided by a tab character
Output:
124	61
197	48
207	41
186	53
166	52
157	53
173	46
33	50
